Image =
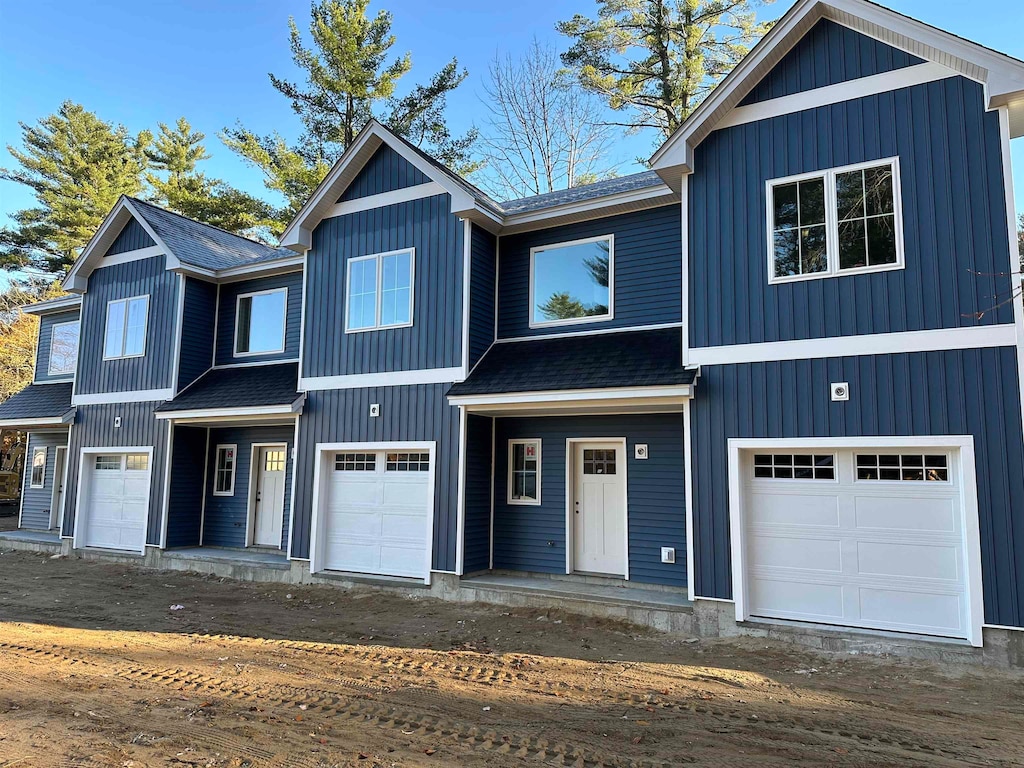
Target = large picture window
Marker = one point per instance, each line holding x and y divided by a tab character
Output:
260	321
379	292
224	471
524	472
38	478
572	282
63	348
841	221
125	334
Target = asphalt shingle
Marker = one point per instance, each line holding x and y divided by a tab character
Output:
38	401
615	186
246	387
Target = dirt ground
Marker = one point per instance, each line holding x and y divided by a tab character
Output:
99	667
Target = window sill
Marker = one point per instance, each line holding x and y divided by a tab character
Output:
841	273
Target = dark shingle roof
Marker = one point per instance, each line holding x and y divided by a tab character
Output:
615	186
247	387
38	401
202	245
628	359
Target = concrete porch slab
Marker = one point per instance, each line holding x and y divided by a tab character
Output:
34	541
229	556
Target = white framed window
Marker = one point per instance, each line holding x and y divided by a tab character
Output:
125	334
524	471
261	322
136	462
38	478
795	466
572	282
63	348
903	467
407	462
379	291
224	470
835	222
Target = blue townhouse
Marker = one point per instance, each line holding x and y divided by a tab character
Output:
776	378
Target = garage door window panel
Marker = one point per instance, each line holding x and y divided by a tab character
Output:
794	466
901	467
355	462
408	462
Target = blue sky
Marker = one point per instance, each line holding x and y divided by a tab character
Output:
140	63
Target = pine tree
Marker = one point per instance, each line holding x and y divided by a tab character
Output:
657	59
77	166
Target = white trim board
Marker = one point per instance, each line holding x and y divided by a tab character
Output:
127	256
591	332
678	391
130	396
394	197
290	410
384	379
970	337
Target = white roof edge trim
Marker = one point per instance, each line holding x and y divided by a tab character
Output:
551	396
44	308
1002	75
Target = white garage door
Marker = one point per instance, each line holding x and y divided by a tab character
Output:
864	538
116	500
377	512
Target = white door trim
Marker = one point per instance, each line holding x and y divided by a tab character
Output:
254	470
60	458
319	477
83	453
964	444
570	493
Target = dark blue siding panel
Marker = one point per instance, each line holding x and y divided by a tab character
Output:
196	330
226	517
384	172
481	303
229	293
411	413
647	263
532	538
94	427
121	281
132	238
954	220
36	502
46	323
477	545
830	53
185	499
970	392
435	338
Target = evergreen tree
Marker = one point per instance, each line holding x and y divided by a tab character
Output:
77	166
657	59
350	77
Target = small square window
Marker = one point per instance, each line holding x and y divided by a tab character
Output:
63	348
260	322
524	471
125	332
572	282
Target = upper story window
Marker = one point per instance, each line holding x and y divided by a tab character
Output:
125	334
63	348
841	221
379	291
260	322
572	282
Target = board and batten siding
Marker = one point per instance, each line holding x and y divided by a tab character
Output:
482	272
226	517
121	281
954	220
94	427
477	528
132	237
969	392
229	293
196	330
533	537
435	338
37	502
828	54
46	323
386	171
185	494
407	413
647	266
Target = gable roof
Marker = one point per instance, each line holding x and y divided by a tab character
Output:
1002	75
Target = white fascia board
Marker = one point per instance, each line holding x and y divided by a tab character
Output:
678	392
386	379
44	421
660	194
46	308
263	269
291	409
132	396
936	340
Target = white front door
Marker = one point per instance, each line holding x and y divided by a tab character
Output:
269	511
116	499
57	503
599	509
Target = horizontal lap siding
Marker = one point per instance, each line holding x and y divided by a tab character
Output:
481	302
386	171
647	265
229	293
830	53
955	230
46	323
122	281
132	238
196	330
185	499
94	427
411	413
435	338
37	502
971	392
227	516
477	528
533	538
